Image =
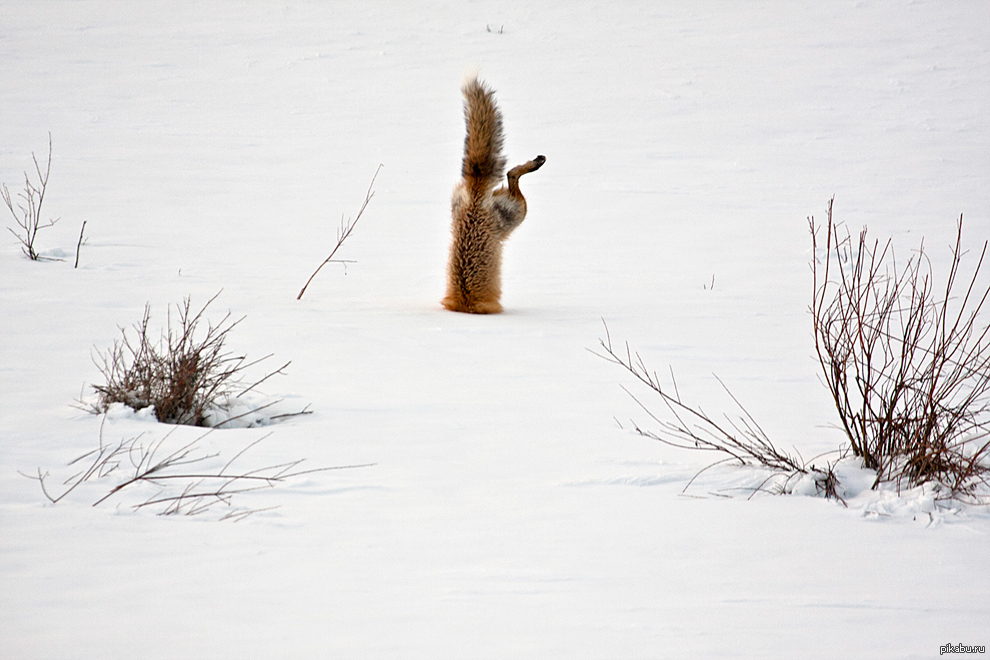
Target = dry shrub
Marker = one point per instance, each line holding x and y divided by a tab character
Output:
907	364
741	440
172	476
27	211
183	375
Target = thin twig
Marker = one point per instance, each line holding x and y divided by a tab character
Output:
344	232
180	489
82	230
27	215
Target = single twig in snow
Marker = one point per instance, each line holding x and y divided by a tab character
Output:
304	411
79	245
346	227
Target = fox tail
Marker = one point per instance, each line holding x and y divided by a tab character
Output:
484	164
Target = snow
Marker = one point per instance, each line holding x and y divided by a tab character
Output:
510	511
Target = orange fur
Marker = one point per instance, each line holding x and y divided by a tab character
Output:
483	217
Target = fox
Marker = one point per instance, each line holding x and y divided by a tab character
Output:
482	216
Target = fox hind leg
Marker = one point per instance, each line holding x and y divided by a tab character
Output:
508	203
526	168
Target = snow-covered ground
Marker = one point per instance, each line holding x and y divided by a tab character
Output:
510	512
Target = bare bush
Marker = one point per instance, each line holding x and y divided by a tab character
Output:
184	375
27	211
907	364
740	440
172	478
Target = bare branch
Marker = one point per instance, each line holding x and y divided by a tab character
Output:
82	230
177	488
689	427
27	213
344	232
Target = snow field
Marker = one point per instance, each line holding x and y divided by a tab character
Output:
507	514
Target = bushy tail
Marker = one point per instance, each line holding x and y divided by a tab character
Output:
483	164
